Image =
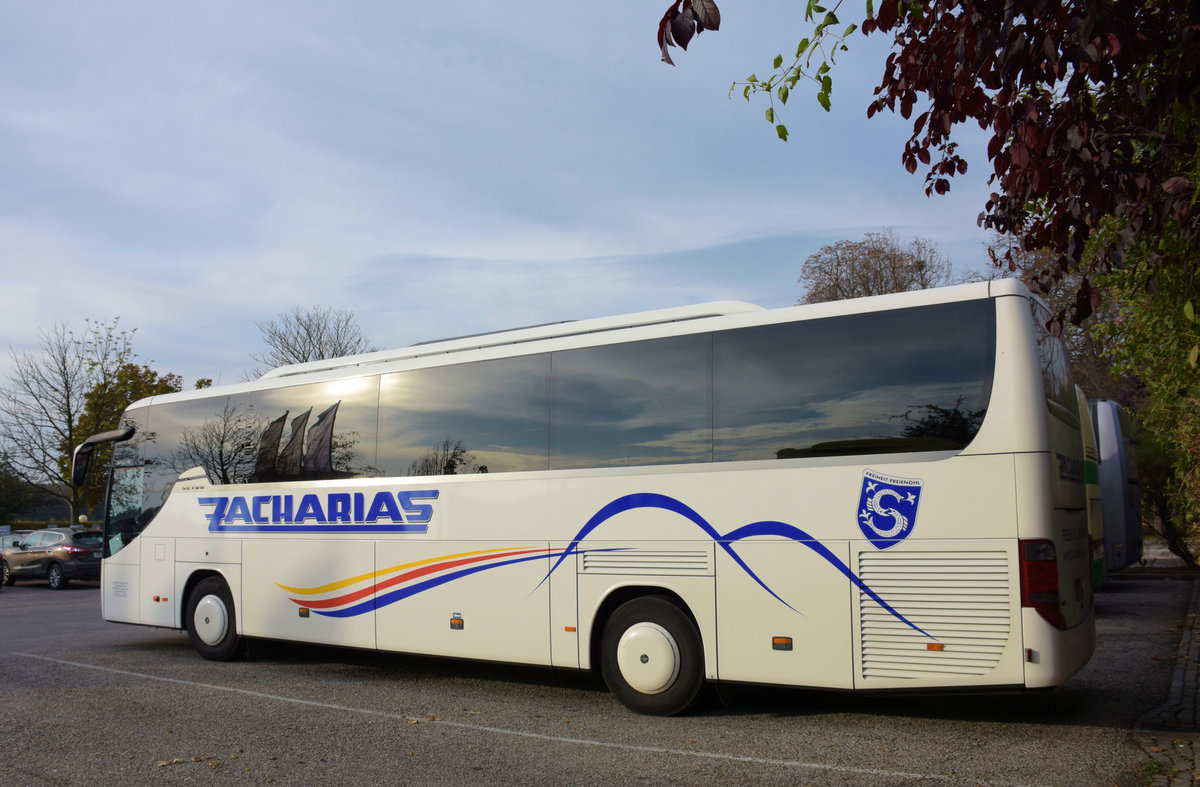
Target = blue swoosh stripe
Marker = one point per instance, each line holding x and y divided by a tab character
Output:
726	541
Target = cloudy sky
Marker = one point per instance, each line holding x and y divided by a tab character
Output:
437	168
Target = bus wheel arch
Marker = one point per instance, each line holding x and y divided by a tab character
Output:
649	650
210	618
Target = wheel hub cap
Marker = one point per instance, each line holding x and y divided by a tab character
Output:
648	658
211	620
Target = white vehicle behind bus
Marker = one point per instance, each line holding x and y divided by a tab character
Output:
878	494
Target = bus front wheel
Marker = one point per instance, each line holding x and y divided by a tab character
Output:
651	657
211	621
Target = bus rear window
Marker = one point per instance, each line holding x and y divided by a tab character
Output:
1056	368
92	538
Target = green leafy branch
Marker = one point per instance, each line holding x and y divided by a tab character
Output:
821	47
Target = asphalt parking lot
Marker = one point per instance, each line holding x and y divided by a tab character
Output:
83	701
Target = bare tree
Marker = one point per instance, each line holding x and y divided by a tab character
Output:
875	265
44	404
309	334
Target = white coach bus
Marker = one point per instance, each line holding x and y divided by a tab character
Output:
877	494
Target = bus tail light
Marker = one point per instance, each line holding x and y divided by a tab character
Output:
1039	580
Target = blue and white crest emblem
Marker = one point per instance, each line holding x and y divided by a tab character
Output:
887	508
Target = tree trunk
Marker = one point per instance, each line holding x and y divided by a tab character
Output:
1175	536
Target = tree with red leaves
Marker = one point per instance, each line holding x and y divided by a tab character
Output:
683	19
1093	107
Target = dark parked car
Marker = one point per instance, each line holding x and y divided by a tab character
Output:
56	554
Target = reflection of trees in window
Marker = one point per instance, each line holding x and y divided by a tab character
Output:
344	455
928	427
497	407
125	494
142	443
450	457
956	425
223	446
124	520
311	453
1056	368
841	386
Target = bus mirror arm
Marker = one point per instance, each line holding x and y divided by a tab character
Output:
83	453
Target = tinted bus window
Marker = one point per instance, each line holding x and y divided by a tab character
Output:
126	491
488	416
314	432
905	380
641	403
217	435
129	452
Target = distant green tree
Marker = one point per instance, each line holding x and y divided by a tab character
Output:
1154	336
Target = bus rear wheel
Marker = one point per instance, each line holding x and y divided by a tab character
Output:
212	622
651	657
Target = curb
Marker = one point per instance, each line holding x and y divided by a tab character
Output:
1168	733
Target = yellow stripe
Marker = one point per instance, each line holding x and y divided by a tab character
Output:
374	574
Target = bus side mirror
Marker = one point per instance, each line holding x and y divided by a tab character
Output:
83	453
79	464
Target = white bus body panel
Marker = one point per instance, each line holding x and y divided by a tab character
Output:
504	619
816	620
275	567
1073	648
120	587
960	595
159	601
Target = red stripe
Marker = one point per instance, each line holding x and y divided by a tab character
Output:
358	595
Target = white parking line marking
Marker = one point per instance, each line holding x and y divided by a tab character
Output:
515	733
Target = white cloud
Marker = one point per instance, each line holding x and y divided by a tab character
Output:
439	169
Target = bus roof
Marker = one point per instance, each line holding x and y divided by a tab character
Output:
716	315
519	336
